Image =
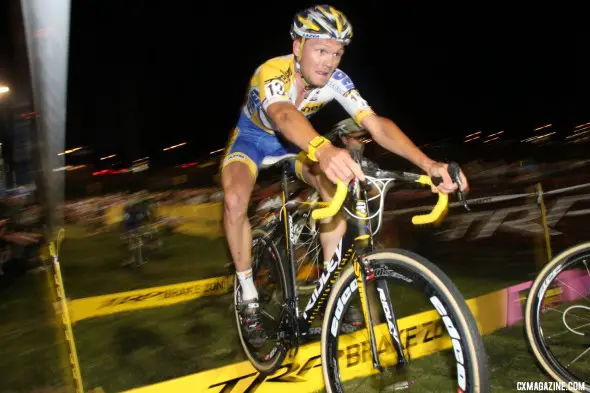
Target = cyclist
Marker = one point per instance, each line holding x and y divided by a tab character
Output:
345	133
283	93
138	213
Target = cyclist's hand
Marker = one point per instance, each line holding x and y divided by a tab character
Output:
337	164
439	169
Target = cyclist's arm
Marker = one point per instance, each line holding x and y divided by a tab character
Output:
279	109
292	123
383	131
335	163
387	134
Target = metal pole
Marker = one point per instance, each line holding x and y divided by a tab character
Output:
541	203
47	32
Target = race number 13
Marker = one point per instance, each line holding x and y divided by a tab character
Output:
275	88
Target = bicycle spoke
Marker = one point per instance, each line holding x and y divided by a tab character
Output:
265	313
573	289
565	331
562	312
565	323
582	354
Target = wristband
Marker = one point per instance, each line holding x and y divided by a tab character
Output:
314	144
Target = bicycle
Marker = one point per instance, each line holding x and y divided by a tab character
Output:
305	234
355	265
553	278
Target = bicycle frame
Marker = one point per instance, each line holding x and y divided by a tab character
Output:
357	240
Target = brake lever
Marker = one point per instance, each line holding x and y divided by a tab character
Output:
455	173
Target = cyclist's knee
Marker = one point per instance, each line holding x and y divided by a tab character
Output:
325	187
311	174
235	203
237	188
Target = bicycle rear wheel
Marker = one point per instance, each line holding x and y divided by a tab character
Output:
567	320
270	281
444	310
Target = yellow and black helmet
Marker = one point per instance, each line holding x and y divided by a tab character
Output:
322	21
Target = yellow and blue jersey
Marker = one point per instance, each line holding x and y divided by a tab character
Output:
272	82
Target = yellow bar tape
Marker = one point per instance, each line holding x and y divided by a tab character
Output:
439	209
335	204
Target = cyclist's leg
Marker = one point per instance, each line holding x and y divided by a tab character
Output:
237	182
239	169
332	228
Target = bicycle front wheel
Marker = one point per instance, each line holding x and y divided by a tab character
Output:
436	318
559	299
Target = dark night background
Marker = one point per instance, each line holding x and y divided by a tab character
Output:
144	75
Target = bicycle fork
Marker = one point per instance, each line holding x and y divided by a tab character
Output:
361	280
362	276
364	273
392	327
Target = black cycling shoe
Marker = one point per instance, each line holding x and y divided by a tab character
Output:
354	316
252	328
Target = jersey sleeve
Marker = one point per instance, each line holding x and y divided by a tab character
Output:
349	97
271	85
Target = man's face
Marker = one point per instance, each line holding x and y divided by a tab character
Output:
351	142
320	57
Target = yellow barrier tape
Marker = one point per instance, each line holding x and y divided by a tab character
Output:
63	351
148	297
63	310
421	335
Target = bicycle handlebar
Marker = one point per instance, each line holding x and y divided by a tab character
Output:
435	214
335	204
437	211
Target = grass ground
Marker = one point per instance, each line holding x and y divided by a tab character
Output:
132	349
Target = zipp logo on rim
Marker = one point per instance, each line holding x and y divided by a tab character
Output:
352	287
455	339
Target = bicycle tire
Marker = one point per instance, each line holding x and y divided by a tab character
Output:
533	305
276	358
403	262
